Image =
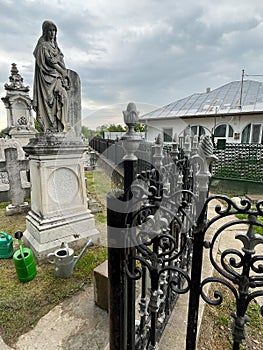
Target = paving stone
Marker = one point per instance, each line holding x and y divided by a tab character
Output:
77	323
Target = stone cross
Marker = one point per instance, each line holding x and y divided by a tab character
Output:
13	167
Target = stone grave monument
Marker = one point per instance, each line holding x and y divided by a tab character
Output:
20	121
14	184
14	167
59	210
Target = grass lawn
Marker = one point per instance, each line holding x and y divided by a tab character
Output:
23	304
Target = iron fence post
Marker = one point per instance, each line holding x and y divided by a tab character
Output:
131	141
117	281
121	251
194	297
205	155
129	176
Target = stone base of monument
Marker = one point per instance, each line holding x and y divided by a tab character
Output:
22	134
17	209
59	210
45	236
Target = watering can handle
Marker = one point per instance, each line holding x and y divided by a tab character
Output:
8	238
51	261
18	236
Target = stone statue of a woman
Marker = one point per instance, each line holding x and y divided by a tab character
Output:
50	100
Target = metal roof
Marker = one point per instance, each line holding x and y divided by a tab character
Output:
223	100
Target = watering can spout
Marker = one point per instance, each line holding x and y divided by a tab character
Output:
64	259
88	244
6	245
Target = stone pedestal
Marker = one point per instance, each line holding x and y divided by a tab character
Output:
22	134
58	195
16	209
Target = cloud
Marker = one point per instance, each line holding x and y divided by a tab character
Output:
149	51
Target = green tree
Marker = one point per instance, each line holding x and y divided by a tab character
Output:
110	128
116	128
88	133
100	129
4	132
139	127
37	127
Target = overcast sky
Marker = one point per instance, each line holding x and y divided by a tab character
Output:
150	52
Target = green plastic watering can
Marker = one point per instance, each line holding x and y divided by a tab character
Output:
6	245
24	261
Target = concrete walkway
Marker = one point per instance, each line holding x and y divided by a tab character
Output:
77	324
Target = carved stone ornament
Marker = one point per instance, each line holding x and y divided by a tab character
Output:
131	139
15	81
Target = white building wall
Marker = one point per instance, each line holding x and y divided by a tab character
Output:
237	122
155	127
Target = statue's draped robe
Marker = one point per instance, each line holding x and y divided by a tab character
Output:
49	93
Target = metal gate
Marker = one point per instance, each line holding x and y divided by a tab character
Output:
157	229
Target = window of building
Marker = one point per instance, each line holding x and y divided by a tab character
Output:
224	130
167	134
191	131
220	131
246	134
256	128
252	133
197	130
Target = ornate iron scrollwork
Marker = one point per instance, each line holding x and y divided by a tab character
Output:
240	267
162	222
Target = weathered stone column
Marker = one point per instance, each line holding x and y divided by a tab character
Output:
58	195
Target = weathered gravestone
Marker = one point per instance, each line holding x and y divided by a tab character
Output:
74	102
5	194
13	166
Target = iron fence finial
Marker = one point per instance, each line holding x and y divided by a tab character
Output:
131	139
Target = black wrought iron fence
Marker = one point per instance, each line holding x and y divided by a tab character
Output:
158	230
236	161
150	226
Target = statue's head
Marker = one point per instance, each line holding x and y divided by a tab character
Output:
46	26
